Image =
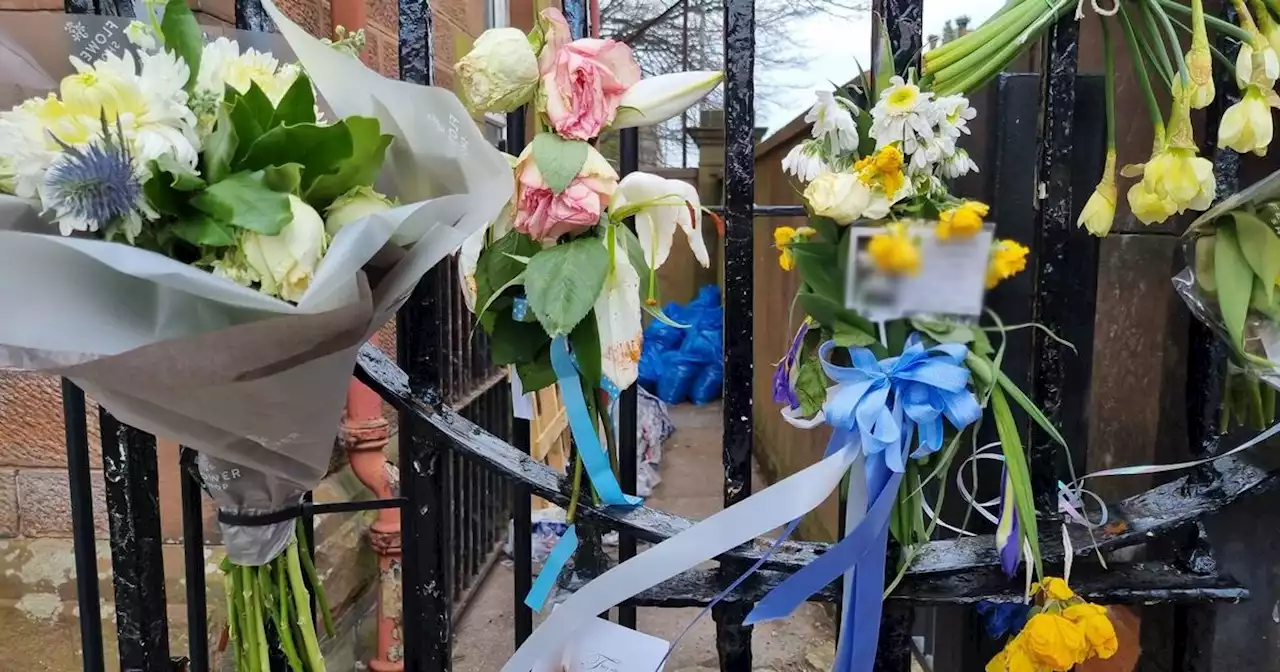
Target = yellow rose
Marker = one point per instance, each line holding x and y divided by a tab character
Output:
285	263
1054	642
1057	589
838	196
1097	626
964	221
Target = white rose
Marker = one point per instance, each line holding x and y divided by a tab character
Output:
839	196
353	206
285	263
500	73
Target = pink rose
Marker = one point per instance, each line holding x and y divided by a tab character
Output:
582	80
545	215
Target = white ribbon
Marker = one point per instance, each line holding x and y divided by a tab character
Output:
1115	7
770	508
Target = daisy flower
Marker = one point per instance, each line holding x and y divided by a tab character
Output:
903	114
954	115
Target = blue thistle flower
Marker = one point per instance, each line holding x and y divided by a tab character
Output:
91	187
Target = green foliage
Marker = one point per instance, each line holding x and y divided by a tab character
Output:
495	268
558	160
244	200
585	340
182	36
563	282
811	385
1234	279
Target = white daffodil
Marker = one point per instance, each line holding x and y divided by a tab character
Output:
832	118
954	114
654	100
958	164
618	319
804	161
903	114
1258	66
661	206
932	151
1247	125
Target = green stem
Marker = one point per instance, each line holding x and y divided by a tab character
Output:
1140	69
282	616
577	489
1109	61
234	630
983	72
256	600
302	607
1225	27
1153	43
976	35
960	48
944	70
309	566
250	632
1217	55
610	443
1172	35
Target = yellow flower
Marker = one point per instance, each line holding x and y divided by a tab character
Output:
1098	629
883	169
1199	62
1053	642
1148	206
1055	589
963	221
1246	126
1100	212
894	251
1008	259
1013	658
783	238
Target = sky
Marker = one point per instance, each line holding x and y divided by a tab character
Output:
838	46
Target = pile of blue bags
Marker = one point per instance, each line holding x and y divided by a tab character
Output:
682	364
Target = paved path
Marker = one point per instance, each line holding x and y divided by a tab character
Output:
691	478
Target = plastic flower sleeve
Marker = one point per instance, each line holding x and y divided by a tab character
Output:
255	384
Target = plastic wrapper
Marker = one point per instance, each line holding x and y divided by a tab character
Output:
708	384
255	384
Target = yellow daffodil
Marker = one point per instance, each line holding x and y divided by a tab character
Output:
1199	62
1098	630
1100	212
783	238
1008	259
962	221
1257	64
1246	126
894	251
1013	658
1054	588
1175	179
1051	641
883	169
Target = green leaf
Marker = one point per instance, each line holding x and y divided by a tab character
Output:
831	315
359	169
1015	460
848	336
286	179
515	342
204	230
537	374
811	386
245	201
828	230
319	149
495	268
297	106
1204	264
563	282
1261	249
558	160
182	36
1234	278
251	114
1029	407
162	196
181	177
819	269
882	61
220	147
585	340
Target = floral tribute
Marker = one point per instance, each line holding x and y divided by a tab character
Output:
1061	630
559	282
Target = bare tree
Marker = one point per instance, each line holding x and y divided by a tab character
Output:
674	35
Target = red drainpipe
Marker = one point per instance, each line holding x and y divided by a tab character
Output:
364	434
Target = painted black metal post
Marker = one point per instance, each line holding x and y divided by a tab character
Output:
86	558
628	162
137	561
733	639
250	15
194	563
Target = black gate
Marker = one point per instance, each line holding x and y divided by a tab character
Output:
1051	122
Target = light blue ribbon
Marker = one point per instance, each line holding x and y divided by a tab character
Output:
556	560
877	408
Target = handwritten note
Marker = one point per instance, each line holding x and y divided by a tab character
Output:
603	646
951	281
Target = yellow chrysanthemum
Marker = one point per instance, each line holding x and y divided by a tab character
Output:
1099	632
783	238
1053	642
883	169
1008	258
894	251
963	221
1054	589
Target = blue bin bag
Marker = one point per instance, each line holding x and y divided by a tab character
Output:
650	366
708	384
677	379
708	297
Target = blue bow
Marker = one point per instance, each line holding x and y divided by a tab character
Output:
877	408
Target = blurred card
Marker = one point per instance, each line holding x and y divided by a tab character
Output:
603	646
951	281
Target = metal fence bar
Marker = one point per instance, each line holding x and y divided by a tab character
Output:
86	557
137	560
629	162
733	639
194	562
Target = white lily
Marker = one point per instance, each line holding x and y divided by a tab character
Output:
618	319
654	100
660	206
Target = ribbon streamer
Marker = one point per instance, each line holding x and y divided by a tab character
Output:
556	560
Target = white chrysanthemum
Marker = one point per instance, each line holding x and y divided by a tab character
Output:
833	118
26	140
958	164
804	161
954	115
222	65
903	114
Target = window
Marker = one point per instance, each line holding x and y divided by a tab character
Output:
499	14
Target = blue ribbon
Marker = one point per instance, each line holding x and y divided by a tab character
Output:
878	407
584	430
551	569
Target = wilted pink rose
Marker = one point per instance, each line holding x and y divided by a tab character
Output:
546	215
582	80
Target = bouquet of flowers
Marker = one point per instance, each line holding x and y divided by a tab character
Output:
185	236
